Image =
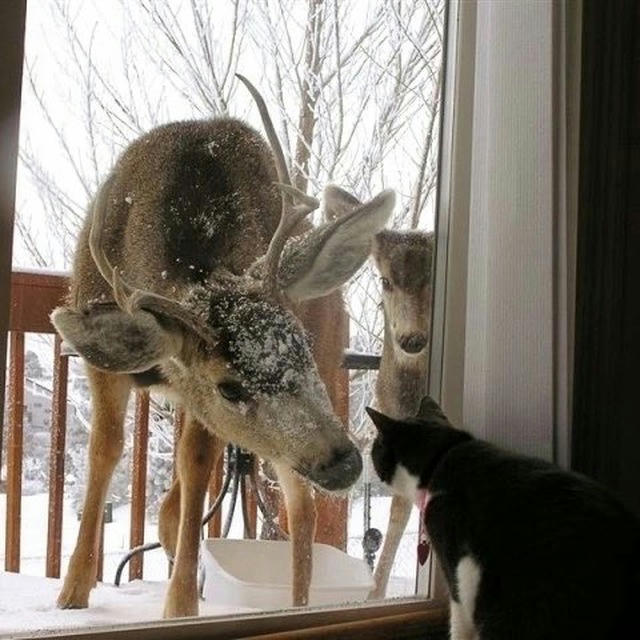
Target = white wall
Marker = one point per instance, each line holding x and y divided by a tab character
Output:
509	350
513	370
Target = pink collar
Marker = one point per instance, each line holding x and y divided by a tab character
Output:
422	499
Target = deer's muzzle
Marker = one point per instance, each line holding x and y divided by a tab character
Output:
340	471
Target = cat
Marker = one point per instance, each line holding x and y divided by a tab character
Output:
529	551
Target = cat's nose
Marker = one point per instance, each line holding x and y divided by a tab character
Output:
413	343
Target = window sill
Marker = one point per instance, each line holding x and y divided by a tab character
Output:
403	619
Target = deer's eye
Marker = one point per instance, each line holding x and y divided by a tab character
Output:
233	391
386	285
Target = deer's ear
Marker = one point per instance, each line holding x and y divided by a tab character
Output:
337	202
113	340
328	256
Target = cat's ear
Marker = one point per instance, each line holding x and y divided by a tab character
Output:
381	421
430	411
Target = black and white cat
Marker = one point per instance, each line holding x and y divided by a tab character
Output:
529	551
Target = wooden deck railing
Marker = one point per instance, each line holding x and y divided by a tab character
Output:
33	296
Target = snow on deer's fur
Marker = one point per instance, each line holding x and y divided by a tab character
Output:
189	273
404	261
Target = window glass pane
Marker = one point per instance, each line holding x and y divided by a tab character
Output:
354	91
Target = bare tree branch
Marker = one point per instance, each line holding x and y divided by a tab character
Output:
426	151
309	93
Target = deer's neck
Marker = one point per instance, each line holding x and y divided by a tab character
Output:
401	383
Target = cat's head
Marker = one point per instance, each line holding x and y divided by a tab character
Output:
406	452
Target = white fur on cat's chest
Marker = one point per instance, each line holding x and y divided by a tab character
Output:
404	484
468	571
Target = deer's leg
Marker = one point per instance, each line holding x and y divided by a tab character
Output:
169	519
169	516
109	395
301	516
194	463
398	518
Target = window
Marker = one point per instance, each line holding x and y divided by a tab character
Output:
96	78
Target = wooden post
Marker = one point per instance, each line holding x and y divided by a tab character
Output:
274	501
14	452
333	511
139	481
328	322
251	506
56	460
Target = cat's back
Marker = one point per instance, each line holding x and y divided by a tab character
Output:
489	468
546	540
511	493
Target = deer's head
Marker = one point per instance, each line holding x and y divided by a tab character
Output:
404	259
231	349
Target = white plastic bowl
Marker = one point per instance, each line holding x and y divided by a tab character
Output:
257	573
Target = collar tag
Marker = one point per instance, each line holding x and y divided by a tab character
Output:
424	548
422	502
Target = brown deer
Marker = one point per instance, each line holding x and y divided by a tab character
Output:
404	260
188	276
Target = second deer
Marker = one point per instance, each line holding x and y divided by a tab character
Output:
404	260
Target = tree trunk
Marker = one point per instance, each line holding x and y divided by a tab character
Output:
309	94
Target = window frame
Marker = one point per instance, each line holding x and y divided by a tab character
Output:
414	618
411	617
12	25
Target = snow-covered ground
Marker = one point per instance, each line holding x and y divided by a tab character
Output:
403	575
27	605
27	601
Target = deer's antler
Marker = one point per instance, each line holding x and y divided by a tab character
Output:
296	204
127	297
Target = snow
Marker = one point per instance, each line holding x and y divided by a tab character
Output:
33	539
403	574
31	606
266	344
39	271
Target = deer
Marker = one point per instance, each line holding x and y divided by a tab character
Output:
404	261
195	262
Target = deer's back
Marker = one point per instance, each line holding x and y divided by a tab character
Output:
183	200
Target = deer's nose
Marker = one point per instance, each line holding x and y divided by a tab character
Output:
413	343
340	471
